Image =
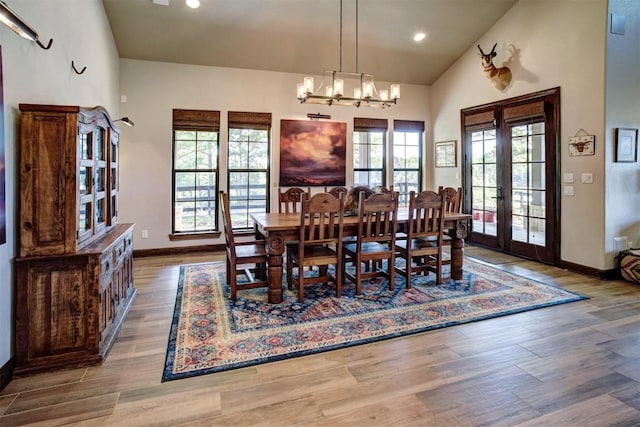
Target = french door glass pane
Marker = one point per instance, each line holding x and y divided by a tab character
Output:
484	182
528	196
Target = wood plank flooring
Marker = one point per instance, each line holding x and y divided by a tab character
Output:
576	365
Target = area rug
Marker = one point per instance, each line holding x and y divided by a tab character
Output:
210	333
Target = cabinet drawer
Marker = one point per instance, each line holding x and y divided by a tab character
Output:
119	251
107	263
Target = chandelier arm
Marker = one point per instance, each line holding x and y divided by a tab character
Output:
357	38
340	35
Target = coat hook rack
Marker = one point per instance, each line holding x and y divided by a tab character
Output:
73	65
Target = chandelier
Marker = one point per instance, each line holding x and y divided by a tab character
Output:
334	91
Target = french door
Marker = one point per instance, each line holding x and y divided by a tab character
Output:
511	175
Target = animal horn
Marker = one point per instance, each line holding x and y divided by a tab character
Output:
480	49
494	48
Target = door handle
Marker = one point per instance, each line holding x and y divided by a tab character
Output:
499	194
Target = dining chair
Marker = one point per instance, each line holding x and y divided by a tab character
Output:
452	199
290	200
319	244
337	191
422	249
352	197
241	255
375	241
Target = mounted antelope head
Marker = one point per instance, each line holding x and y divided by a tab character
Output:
500	77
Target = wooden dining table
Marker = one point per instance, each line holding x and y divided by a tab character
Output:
280	228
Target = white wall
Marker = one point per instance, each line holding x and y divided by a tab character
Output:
557	43
623	111
81	33
153	89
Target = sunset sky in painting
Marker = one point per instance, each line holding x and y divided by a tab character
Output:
312	153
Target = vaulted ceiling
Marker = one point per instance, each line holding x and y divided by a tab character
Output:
303	36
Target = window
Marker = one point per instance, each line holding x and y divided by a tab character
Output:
195	170
369	152
248	166
407	157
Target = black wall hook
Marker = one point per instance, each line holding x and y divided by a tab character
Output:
75	69
43	46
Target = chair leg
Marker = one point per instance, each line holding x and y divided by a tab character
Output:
322	270
358	263
343	268
392	272
339	278
289	272
231	278
408	272
300	283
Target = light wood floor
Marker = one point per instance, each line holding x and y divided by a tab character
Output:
576	364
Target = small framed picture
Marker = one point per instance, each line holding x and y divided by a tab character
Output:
626	145
445	154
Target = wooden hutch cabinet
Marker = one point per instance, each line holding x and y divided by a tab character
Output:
74	273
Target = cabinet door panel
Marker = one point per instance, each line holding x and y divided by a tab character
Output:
58	316
47	217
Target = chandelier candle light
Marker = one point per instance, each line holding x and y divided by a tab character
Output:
332	88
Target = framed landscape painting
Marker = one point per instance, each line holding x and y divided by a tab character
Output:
312	153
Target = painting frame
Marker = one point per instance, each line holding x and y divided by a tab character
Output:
626	145
445	154
312	153
3	202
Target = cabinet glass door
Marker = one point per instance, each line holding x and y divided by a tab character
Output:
113	182
86	185
101	150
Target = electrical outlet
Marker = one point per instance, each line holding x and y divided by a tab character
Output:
587	178
145	234
620	244
568	190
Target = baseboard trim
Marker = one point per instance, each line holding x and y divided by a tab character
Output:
177	250
590	271
6	372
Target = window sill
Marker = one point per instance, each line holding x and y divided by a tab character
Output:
195	236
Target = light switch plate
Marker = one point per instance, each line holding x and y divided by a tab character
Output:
568	190
568	177
587	178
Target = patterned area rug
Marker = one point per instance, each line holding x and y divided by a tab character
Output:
210	333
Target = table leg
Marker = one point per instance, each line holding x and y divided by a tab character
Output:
457	255
275	248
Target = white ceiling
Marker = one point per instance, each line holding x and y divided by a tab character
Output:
302	36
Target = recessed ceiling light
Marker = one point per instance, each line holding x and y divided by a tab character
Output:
193	4
419	36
